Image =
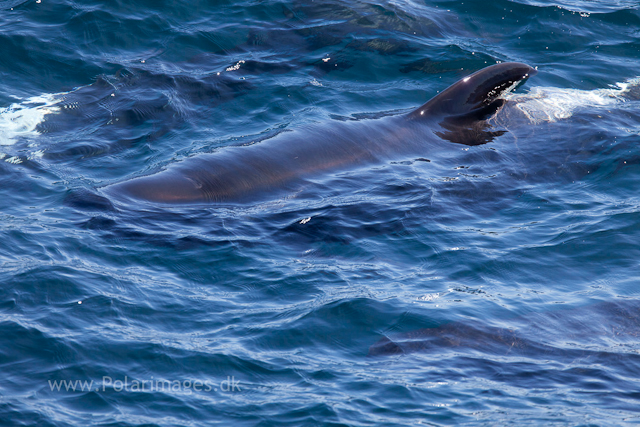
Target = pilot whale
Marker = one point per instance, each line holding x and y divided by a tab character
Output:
281	164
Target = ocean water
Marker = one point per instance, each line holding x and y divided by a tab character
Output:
485	285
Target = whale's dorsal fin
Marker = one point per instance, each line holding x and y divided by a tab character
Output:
476	91
462	108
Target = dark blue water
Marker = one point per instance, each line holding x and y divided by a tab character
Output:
495	284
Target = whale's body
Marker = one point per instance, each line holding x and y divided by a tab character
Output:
534	335
248	173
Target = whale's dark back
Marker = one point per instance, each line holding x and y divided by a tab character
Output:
246	173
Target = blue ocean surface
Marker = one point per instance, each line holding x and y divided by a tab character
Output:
492	284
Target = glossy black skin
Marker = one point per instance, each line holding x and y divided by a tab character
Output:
281	164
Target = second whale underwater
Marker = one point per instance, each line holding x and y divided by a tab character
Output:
281	164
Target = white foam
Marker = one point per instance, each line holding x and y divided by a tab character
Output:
14	159
549	104
21	120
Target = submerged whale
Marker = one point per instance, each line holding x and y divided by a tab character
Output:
563	334
282	163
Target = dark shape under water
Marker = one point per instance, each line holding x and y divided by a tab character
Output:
281	164
137	105
601	329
